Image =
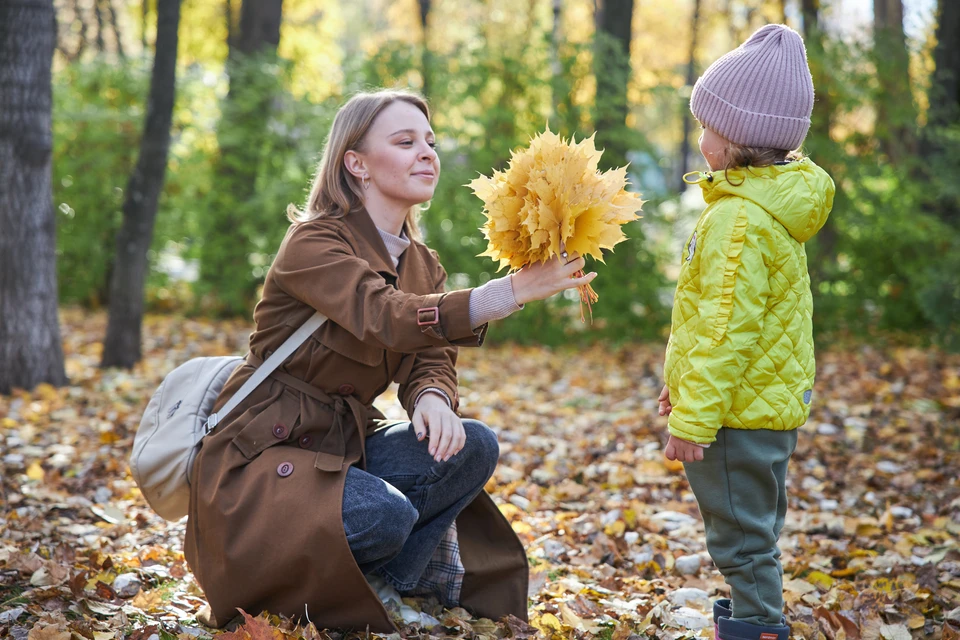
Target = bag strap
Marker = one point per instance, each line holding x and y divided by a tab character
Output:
260	373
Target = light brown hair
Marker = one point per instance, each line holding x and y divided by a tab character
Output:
739	156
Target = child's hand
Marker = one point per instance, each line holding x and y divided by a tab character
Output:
682	450
664	399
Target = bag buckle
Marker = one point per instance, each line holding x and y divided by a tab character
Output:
211	423
435	320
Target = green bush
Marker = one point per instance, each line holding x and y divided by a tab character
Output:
886	261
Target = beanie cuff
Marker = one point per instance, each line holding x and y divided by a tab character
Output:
747	128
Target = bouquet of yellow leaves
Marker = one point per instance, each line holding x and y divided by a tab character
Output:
551	200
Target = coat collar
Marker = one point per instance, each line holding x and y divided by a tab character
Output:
372	248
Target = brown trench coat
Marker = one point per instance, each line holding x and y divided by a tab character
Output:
265	530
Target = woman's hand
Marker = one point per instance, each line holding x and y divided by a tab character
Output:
434	419
664	400
539	281
682	450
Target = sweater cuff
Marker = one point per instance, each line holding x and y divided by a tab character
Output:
492	301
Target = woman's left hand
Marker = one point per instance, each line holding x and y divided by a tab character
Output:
434	419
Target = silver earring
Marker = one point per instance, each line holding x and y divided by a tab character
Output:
365	182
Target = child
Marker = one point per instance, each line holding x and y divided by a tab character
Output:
739	366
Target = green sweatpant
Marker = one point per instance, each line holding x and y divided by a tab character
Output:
740	487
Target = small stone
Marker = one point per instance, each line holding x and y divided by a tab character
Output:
509	474
427	621
856	423
572	585
887	466
691	618
673	520
610	517
827	429
13	459
19	633
520	501
641	557
688	565
127	585
631	537
554	549
11	615
901	512
685	596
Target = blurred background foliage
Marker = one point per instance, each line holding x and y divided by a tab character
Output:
247	134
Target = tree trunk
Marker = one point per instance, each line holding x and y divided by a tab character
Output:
813	35
116	29
225	270
101	46
144	14
896	114
231	24
259	27
944	96
685	112
30	348
818	141
121	347
945	86
426	59
612	71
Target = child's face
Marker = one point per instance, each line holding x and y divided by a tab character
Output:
713	146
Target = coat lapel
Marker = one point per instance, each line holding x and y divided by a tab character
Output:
371	246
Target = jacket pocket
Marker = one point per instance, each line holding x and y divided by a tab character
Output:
344	343
272	426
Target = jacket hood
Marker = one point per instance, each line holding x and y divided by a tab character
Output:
799	194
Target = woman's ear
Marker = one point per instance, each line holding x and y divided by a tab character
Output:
354	164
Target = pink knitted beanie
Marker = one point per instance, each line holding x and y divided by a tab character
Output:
761	93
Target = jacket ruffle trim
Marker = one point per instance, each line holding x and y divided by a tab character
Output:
737	240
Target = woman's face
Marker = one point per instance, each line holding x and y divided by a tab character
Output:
398	156
713	146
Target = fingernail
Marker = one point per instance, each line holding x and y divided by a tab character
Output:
419	436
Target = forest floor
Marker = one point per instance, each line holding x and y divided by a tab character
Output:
613	535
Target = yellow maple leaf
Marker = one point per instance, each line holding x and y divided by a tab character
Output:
35	471
552	198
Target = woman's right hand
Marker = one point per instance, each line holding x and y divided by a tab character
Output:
541	280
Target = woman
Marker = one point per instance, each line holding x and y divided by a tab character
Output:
304	489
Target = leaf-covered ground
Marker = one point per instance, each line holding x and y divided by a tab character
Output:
616	547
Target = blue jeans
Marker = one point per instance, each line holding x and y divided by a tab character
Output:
396	512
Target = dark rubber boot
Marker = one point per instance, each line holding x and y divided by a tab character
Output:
730	629
721	609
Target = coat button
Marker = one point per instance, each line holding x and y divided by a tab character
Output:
284	469
346	389
280	430
306	441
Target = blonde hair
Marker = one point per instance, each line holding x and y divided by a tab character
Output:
335	192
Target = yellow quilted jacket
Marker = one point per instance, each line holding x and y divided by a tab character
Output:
740	353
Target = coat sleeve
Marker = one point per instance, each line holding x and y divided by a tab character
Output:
734	288
318	266
435	367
